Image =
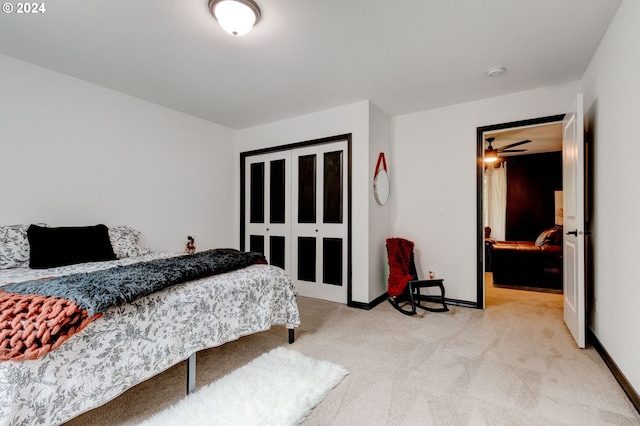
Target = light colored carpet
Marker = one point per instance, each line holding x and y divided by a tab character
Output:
277	388
513	363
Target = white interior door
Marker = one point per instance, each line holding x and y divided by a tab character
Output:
319	221
574	224
268	206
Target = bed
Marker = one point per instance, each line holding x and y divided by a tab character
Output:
133	342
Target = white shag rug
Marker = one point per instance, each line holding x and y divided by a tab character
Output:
280	387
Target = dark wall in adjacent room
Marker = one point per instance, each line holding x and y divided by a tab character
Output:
531	182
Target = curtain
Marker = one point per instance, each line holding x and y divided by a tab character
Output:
495	200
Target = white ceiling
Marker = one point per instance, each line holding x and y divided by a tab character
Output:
544	138
308	55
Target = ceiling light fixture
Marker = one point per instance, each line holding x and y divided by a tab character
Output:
495	71
236	17
490	155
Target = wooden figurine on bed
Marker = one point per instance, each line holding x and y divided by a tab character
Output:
191	245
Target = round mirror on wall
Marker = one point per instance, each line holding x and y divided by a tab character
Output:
381	188
381	181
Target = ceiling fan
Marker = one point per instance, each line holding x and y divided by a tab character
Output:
491	154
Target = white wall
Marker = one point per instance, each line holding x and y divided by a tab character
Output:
379	223
612	90
352	119
74	153
434	169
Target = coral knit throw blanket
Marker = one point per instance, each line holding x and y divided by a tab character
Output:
399	253
32	325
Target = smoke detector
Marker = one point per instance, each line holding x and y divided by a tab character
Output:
495	71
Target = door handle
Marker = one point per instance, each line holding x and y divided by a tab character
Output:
573	233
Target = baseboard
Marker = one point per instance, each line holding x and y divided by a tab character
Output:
622	380
370	305
384	296
455	302
462	303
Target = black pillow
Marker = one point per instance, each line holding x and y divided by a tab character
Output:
51	247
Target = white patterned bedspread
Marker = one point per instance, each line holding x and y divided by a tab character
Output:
136	341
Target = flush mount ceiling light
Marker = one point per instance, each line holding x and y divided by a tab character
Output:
495	71
236	17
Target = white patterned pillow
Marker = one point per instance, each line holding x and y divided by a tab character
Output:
14	246
124	241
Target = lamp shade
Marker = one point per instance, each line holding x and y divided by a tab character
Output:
236	17
490	155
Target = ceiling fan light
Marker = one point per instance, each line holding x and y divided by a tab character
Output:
236	17
490	155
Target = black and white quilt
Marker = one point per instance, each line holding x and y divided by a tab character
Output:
137	340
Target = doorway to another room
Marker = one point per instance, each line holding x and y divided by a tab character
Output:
519	198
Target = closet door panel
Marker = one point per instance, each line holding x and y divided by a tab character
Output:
295	213
268	206
325	192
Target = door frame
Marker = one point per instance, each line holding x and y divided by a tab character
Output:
292	146
479	189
